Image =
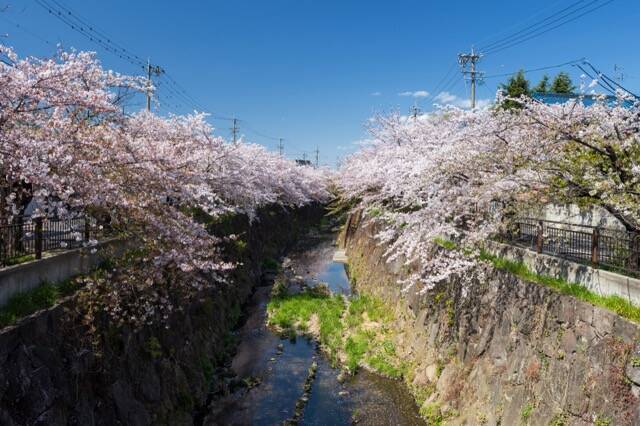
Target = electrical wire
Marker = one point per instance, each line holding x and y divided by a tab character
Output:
535	69
534	26
445	77
27	31
175	95
537	33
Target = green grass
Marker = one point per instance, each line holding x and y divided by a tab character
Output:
374	212
42	297
526	411
294	311
374	308
616	304
384	364
19	259
342	327
356	347
432	414
444	243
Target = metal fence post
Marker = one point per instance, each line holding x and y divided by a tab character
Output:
595	241
87	229
540	239
634	265
38	237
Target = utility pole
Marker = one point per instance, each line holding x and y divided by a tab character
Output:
281	147
304	156
617	69
414	112
317	151
234	130
155	70
474	76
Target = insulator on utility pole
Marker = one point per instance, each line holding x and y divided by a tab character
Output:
472	74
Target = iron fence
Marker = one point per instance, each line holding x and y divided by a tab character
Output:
601	247
32	236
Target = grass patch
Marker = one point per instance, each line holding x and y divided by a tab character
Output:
356	331
374	212
293	312
616	304
356	347
526	411
16	260
444	243
29	302
384	365
432	413
374	309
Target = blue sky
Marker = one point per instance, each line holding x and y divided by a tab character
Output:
314	71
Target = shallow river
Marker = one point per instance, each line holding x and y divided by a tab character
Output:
281	366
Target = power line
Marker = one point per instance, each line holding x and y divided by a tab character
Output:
258	133
28	31
515	25
87	30
536	32
175	91
536	69
510	37
609	81
605	87
445	77
451	83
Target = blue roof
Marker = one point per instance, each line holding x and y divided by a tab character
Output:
587	100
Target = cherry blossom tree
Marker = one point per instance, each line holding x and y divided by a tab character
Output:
441	175
65	143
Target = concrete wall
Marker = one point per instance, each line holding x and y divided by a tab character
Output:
602	282
52	269
572	214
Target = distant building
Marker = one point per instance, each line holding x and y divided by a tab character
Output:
587	100
303	162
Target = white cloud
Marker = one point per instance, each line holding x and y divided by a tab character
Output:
416	94
446	98
376	94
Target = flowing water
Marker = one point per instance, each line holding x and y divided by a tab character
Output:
281	367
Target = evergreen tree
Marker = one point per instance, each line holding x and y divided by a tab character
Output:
517	86
562	84
543	86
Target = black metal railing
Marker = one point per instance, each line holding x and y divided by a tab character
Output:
29	237
600	247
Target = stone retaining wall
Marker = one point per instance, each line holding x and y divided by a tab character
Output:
510	352
52	373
